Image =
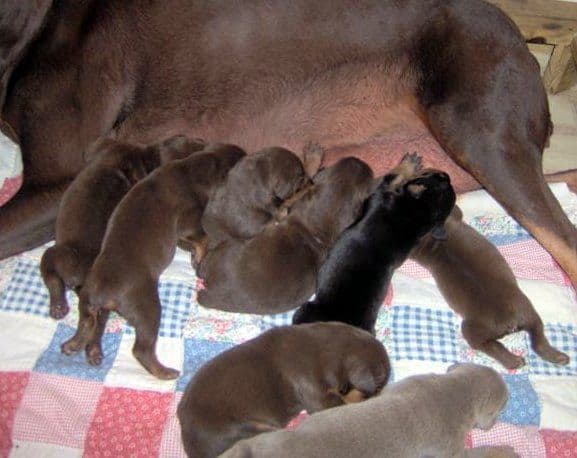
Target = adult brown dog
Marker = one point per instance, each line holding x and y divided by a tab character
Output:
139	244
276	270
259	73
262	384
84	212
492	304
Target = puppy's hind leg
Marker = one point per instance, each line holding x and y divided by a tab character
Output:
94	345
487	343
51	259
85	327
142	310
539	342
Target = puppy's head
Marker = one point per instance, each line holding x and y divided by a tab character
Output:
488	390
419	199
177	147
133	161
285	171
335	199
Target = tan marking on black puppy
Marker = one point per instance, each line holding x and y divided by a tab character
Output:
489	312
140	243
252	194
276	270
262	384
423	415
85	208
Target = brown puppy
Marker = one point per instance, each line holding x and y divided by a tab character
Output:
139	244
492	305
262	384
276	270
252	194
357	81
86	206
421	416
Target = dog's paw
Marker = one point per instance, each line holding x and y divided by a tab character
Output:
71	347
94	354
413	160
59	311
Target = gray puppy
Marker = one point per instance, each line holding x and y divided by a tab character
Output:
260	385
424	415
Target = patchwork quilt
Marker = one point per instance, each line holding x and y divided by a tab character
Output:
56	405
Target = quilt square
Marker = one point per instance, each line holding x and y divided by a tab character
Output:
516	343
27	449
424	334
526	440
25	292
223	327
12	386
23	339
56	410
53	361
171	444
564	338
278	319
558	399
559	444
127	423
197	352
127	372
177	303
523	405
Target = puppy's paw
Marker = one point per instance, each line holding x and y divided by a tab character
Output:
513	362
59	311
94	354
71	347
412	161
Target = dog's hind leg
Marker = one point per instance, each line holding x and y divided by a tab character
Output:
495	123
539	342
51	272
142	310
27	221
488	344
94	345
83	331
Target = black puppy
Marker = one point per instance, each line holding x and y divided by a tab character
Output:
352	282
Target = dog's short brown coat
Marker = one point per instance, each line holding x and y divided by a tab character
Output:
260	385
479	285
276	270
83	215
420	416
252	194
139	244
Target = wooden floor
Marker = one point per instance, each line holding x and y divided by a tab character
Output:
562	153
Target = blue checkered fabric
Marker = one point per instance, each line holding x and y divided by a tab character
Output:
26	291
177	304
279	319
424	334
564	338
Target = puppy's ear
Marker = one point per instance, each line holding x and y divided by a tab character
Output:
178	147
416	190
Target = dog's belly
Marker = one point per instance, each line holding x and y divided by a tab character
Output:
361	110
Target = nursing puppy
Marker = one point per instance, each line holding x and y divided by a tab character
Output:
352	282
86	206
262	384
488	313
139	244
252	195
276	270
423	415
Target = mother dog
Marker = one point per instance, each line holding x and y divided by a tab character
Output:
350	76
